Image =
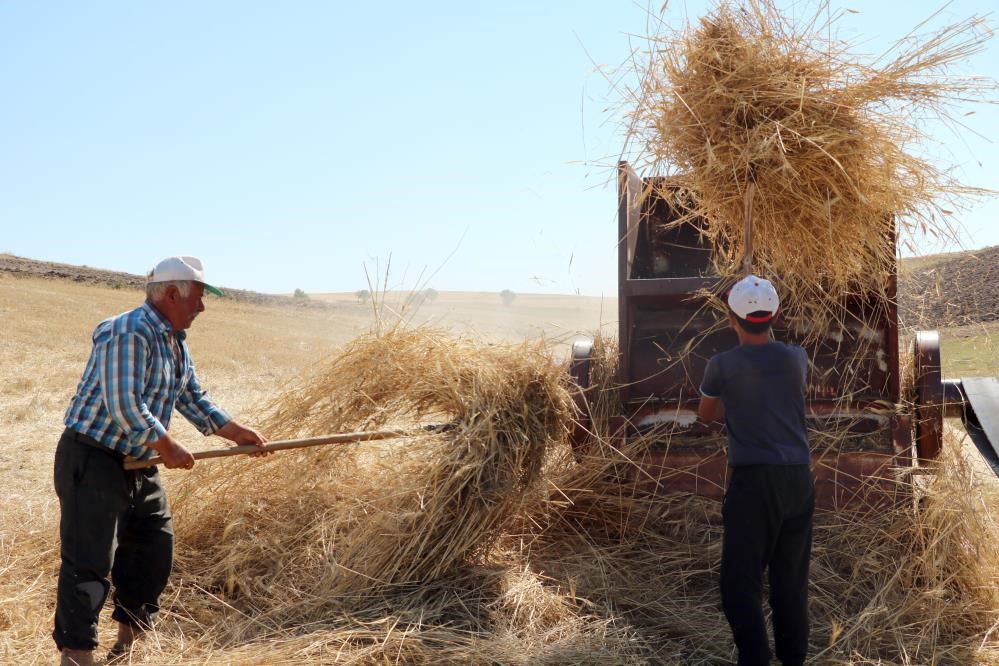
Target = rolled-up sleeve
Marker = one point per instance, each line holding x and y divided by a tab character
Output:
121	362
195	405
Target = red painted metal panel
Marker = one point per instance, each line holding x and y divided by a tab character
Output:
854	479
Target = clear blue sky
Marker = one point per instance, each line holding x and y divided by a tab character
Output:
290	143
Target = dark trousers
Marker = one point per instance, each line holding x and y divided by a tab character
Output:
113	522
768	523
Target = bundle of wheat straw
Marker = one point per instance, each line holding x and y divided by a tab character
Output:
384	515
825	143
366	553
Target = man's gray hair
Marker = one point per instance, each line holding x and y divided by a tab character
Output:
157	290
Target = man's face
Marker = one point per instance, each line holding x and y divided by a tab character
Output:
183	309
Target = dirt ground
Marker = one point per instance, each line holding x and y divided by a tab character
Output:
946	290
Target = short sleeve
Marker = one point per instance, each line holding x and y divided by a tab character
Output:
803	360
711	386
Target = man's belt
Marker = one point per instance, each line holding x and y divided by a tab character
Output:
93	443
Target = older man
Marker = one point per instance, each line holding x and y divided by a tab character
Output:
115	521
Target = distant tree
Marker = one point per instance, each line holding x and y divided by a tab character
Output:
363	295
430	294
301	294
507	297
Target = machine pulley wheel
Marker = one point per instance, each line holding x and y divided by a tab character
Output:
579	370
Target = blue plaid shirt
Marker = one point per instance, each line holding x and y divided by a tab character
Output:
132	382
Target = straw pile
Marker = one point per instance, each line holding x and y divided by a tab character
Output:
393	550
433	502
746	105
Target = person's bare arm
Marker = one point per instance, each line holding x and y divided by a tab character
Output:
710	409
174	454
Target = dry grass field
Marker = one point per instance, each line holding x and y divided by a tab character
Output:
247	354
244	352
559	318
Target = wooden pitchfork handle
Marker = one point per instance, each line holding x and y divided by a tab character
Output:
747	222
281	445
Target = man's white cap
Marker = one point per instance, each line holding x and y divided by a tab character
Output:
753	294
181	269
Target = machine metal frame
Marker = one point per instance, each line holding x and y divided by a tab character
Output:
667	333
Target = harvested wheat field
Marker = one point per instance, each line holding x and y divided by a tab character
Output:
488	543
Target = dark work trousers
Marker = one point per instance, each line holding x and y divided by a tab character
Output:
768	523
113	522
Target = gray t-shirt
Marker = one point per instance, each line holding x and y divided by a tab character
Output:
763	390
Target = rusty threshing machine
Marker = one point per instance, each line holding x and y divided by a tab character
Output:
888	422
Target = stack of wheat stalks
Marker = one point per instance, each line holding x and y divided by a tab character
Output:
747	106
492	543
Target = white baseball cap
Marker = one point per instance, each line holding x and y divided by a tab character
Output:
181	268
753	294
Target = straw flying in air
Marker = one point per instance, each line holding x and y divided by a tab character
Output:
776	120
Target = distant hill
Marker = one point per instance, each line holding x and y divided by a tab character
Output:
954	289
117	280
935	291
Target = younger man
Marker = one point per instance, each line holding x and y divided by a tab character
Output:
759	388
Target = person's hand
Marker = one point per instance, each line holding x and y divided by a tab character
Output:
174	454
240	434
